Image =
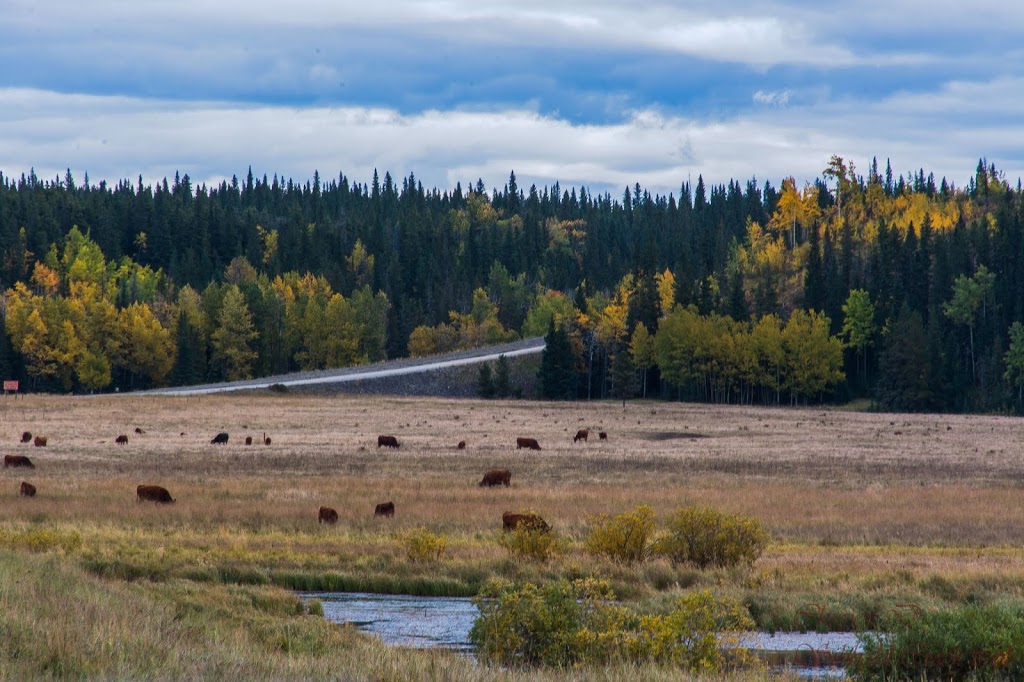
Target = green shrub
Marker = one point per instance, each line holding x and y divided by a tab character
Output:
534	544
707	537
563	624
969	643
421	545
624	537
315	608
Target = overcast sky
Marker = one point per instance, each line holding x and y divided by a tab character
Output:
602	94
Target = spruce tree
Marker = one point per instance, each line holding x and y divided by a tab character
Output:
623	377
558	375
485	382
502	379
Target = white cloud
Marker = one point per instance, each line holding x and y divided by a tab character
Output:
776	98
116	138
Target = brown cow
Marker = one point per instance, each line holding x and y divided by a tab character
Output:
497	477
220	439
122	439
248	440
529	521
26	436
39	441
581	435
530	443
27	489
327	515
384	509
18	461
602	436
153	493
388	441
266	440
461	445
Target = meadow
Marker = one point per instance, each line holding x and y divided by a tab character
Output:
869	514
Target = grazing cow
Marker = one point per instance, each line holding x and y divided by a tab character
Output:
581	435
461	445
266	441
248	440
602	436
139	431
220	439
384	509
530	443
153	493
39	441
27	489
497	477
530	521
327	515
388	441
122	439
18	461
26	436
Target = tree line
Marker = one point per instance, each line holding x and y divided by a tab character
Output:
912	289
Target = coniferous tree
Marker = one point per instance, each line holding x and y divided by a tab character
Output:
485	381
502	378
904	373
233	338
623	377
558	374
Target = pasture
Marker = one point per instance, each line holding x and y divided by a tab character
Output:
864	510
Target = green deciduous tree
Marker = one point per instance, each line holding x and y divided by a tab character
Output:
641	347
859	323
970	294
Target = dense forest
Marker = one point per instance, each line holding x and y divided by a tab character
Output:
897	289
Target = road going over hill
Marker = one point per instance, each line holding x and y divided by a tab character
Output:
361	373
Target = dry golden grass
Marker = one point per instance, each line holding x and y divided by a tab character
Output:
810	475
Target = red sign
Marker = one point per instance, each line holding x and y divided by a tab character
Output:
10	386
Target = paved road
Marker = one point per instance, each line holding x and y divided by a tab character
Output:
387	369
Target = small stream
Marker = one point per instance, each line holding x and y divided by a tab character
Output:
405	620
402	619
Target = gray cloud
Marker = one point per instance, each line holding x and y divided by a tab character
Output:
121	137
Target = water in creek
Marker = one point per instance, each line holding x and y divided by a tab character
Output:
402	619
405	620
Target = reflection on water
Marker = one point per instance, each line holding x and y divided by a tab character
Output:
405	620
402	619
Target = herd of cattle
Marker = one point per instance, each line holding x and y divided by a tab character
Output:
159	494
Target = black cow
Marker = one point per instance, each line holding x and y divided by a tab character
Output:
327	515
153	493
18	461
388	441
220	439
384	509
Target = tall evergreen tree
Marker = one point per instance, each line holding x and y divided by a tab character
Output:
558	374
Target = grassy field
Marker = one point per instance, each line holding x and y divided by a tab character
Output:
866	512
